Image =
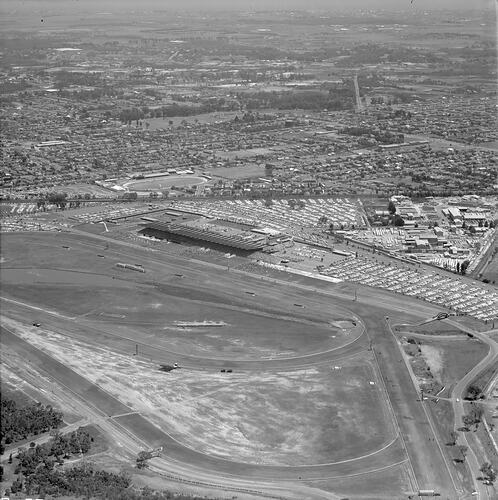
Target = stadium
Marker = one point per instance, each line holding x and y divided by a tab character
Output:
208	232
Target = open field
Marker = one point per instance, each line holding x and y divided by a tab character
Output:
306	398
490	271
239	172
310	416
165	182
430	328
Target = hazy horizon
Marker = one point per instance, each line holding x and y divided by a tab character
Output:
248	5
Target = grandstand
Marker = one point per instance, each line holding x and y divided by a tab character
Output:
207	231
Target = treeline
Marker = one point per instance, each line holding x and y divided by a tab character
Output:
175	109
87	482
382	136
67	78
371	53
38	467
21	423
312	100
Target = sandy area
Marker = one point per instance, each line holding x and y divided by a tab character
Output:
307	416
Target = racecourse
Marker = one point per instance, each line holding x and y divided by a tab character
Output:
60	281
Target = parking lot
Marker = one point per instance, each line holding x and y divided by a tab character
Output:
465	298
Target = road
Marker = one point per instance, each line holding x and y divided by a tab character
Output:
423	455
458	393
458	403
125	420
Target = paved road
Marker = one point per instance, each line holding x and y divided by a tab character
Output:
429	470
458	393
458	404
426	455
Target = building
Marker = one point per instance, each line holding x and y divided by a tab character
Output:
208	231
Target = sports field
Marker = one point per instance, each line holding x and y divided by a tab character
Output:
165	182
304	395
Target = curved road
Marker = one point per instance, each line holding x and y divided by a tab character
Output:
458	393
130	422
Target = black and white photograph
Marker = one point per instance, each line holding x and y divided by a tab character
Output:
248	249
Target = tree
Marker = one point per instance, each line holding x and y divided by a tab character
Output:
473	392
142	458
391	207
16	486
461	453
474	416
58	199
488	471
398	221
453	438
268	203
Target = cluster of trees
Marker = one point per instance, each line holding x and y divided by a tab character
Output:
473	417
58	448
396	219
136	114
67	78
473	392
87	482
21	423
370	53
461	268
472	229
382	136
489	474
79	481
311	99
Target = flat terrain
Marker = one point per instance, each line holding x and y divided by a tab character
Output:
165	182
306	397
304	416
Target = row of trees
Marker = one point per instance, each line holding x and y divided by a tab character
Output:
21	423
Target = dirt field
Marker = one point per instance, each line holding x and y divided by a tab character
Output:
300	417
314	415
304	391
